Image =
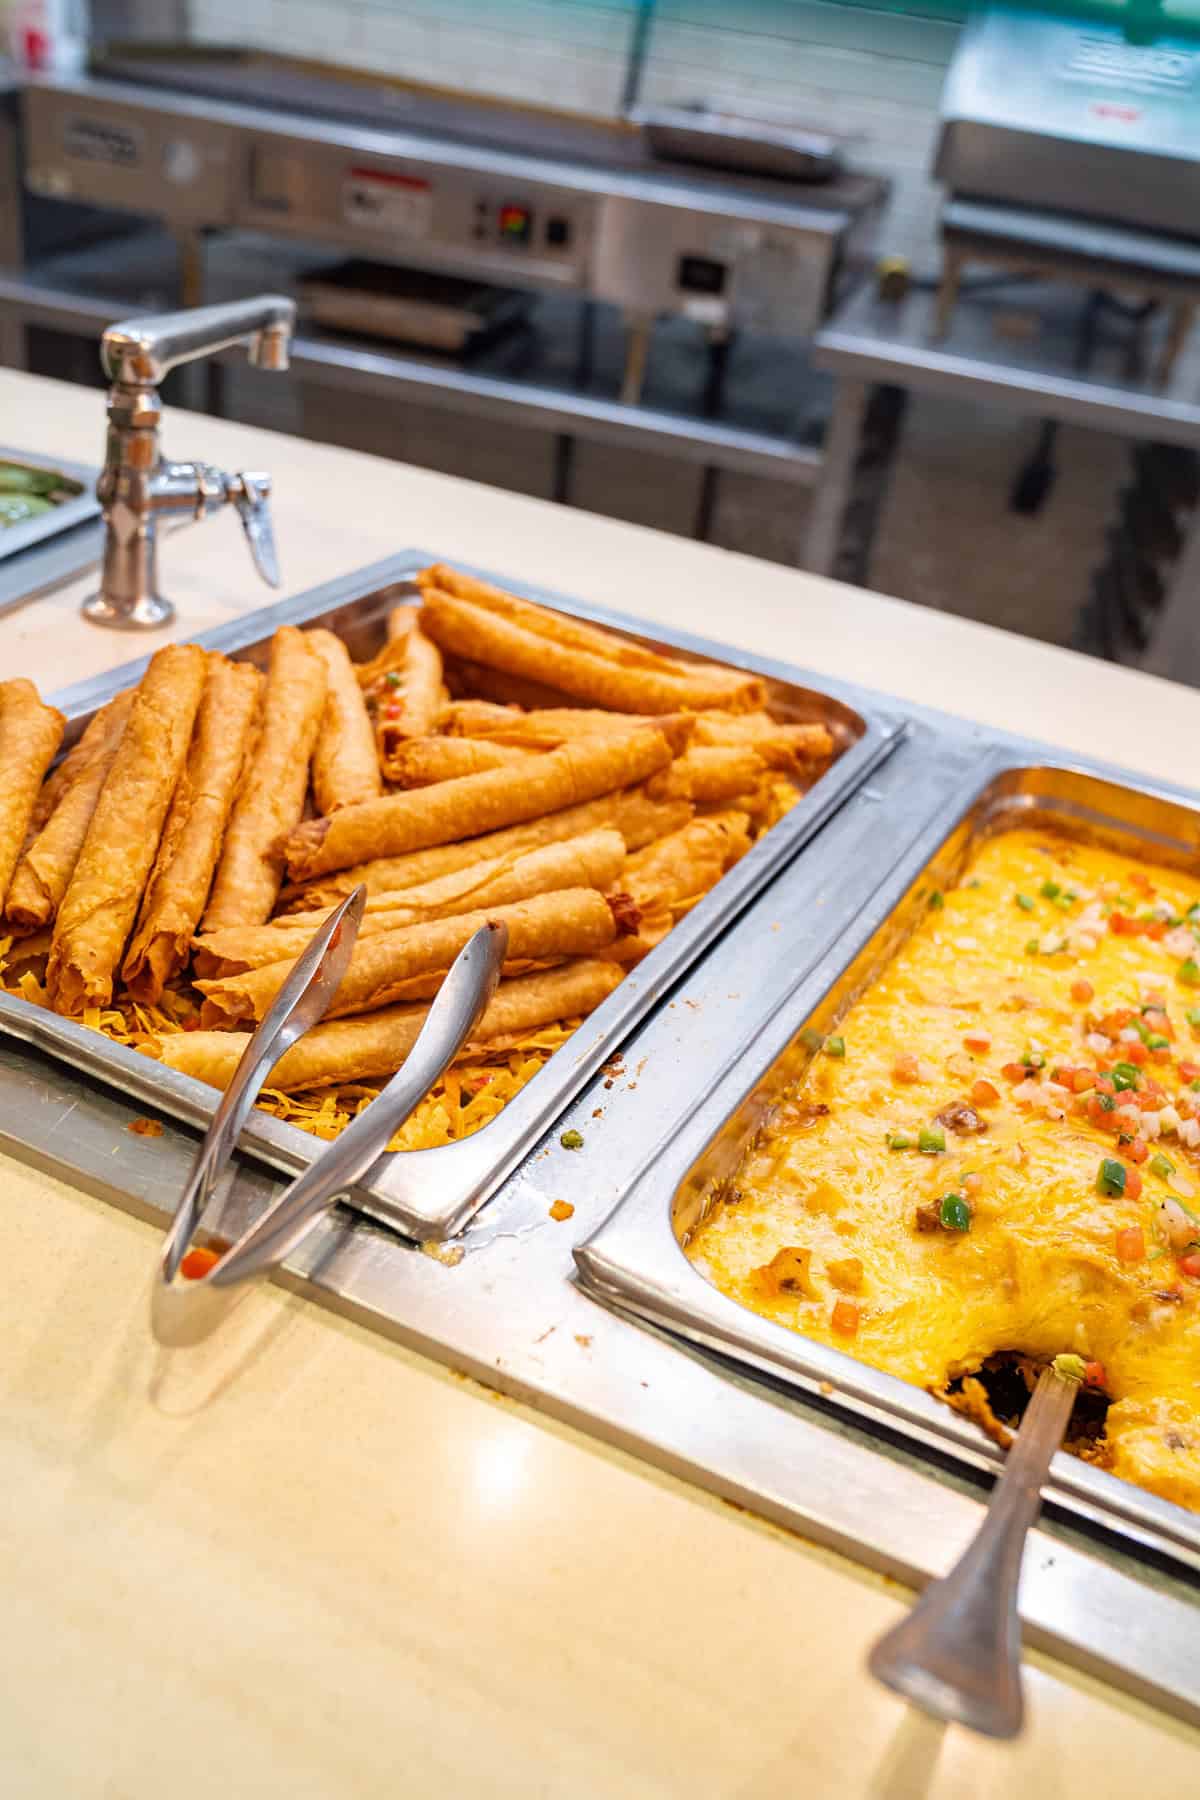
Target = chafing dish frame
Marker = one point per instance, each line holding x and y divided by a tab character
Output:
636	1260
430	1194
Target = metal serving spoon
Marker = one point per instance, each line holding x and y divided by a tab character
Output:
957	1654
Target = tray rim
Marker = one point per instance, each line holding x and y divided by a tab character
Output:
635	1263
430	1195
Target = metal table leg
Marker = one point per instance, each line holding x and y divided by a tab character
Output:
837	472
1175	647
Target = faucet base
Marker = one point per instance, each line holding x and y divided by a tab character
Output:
148	613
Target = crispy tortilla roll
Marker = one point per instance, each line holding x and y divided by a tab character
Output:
638	819
345	764
466	679
191	839
30	733
549	726
271	794
789	747
102	897
474	804
403	683
419	762
591	665
710	776
374	1047
569	922
677	870
46	867
743	692
594	860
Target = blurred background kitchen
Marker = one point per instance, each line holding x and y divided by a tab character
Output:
883	290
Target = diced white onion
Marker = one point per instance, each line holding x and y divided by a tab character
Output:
1168	1118
1189	1132
1179	1228
1181	942
1129	1035
1097	1043
1026	1093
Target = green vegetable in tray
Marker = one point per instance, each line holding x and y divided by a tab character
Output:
15	478
18	509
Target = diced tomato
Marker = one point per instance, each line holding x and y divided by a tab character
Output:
1104	1083
983	1093
1133	1181
1130	1244
1135	1053
907	1068
972	1183
979	1041
1096	1113
1155	929
1190	1265
1093	1375
1121	925
197	1263
1139	1150
1140	880
1189	1071
1013	1072
1114	1022
844	1318
1155	1019
1145	1100
1082	992
393	709
1082	1080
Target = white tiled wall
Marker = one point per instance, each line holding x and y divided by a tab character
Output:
874	75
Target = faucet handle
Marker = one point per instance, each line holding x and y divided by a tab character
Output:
251	494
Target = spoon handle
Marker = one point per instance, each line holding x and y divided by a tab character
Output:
957	1654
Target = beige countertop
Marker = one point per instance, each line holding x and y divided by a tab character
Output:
303	1561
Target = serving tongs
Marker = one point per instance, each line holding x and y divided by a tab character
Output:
184	1308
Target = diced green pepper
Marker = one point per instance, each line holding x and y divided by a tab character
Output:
1070	1366
954	1213
1154	1040
1189	972
1050	890
1193	1015
393	678
931	1140
937	900
1161	1165
1034	1059
1111	1179
899	1140
1125	1076
1025	902
1064	902
1107	1103
812	1039
835	1046
571	1140
1031	947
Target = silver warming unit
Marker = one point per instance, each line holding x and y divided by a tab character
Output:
1069	146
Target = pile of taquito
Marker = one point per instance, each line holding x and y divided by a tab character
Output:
494	760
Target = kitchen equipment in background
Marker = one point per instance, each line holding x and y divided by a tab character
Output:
411	306
743	144
57	537
1101	129
517	197
138	486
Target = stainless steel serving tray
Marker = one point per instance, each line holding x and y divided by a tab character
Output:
430	1194
637	1259
81	508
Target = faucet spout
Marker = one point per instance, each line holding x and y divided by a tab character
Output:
139	353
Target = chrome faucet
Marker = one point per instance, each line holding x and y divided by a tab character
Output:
138	486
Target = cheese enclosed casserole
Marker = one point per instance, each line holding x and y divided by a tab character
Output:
999	1151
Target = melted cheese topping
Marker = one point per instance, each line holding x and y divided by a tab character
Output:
832	1232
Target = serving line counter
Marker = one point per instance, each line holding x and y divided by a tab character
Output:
414	1582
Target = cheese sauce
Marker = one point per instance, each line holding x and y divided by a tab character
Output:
1048	1009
